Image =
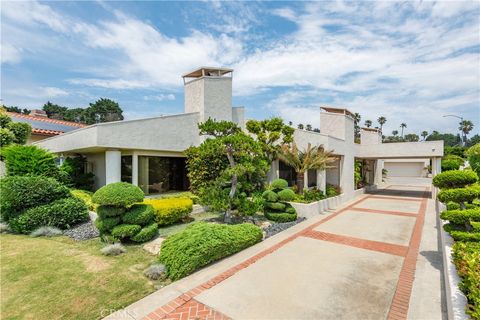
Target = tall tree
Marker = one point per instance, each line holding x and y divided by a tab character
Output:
308	127
54	111
424	135
103	110
465	126
368	123
403	126
301	161
356	122
381	120
271	134
395	133
300	126
411	137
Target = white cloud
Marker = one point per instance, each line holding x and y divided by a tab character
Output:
160	97
111	84
9	54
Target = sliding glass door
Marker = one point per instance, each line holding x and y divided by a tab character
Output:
162	174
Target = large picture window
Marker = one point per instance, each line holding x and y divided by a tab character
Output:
162	174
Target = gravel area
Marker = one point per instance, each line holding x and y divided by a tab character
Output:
82	231
279	227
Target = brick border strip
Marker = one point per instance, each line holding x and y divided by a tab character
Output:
394	213
372	245
401	299
399	198
164	311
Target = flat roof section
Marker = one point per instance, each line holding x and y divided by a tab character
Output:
207	71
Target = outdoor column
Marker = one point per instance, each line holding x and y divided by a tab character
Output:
305	180
378	164
135	169
113	168
322	180
347	180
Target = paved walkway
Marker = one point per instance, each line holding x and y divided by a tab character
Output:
358	262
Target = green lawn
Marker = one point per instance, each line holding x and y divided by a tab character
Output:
53	278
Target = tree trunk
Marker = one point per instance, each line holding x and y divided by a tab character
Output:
233	189
300	182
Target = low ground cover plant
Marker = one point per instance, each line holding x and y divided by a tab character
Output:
170	210
277	198
332	191
121	217
203	243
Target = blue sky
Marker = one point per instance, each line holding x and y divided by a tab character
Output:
411	62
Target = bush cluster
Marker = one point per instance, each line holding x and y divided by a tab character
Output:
473	154
120	216
203	243
467	261
450	164
454	179
30	202
276	206
332	191
170	210
86	197
29	160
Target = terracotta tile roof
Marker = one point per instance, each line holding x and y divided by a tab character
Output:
46	126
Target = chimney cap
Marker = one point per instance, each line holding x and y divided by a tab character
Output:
337	110
207	71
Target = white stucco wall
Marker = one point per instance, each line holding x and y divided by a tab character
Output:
401	150
368	137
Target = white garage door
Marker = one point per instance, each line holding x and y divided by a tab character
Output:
404	169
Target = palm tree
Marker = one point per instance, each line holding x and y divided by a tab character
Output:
301	161
368	123
424	135
403	126
356	118
381	120
395	132
300	126
465	126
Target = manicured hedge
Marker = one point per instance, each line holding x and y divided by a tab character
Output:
450	164
270	196
63	214
141	214
279	184
105	225
281	217
286	195
276	205
119	194
170	210
86	197
110	211
19	193
461	216
146	233
203	243
458	195
454	179
467	260
123	231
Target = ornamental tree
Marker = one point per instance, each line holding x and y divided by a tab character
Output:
271	134
12	132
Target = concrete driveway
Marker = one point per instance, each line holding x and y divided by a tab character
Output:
359	262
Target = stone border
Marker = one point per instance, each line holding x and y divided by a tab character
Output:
456	300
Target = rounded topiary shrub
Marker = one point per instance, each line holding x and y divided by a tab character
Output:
63	214
459	195
119	194
279	184
450	164
110	211
19	193
281	216
141	214
203	243
275	205
270	196
454	179
123	231
286	195
146	234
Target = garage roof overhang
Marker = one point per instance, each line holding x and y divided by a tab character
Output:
400	150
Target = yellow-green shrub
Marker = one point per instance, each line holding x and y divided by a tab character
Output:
85	196
170	210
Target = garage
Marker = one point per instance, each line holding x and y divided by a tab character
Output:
405	169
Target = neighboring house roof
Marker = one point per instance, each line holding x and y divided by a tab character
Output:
45	126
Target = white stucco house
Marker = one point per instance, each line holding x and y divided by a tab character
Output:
149	152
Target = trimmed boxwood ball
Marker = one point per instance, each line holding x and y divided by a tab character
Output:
270	196
279	184
454	179
146	234
123	231
286	195
19	193
63	214
106	225
203	243
110	211
280	216
120	194
290	210
461	216
275	205
141	214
